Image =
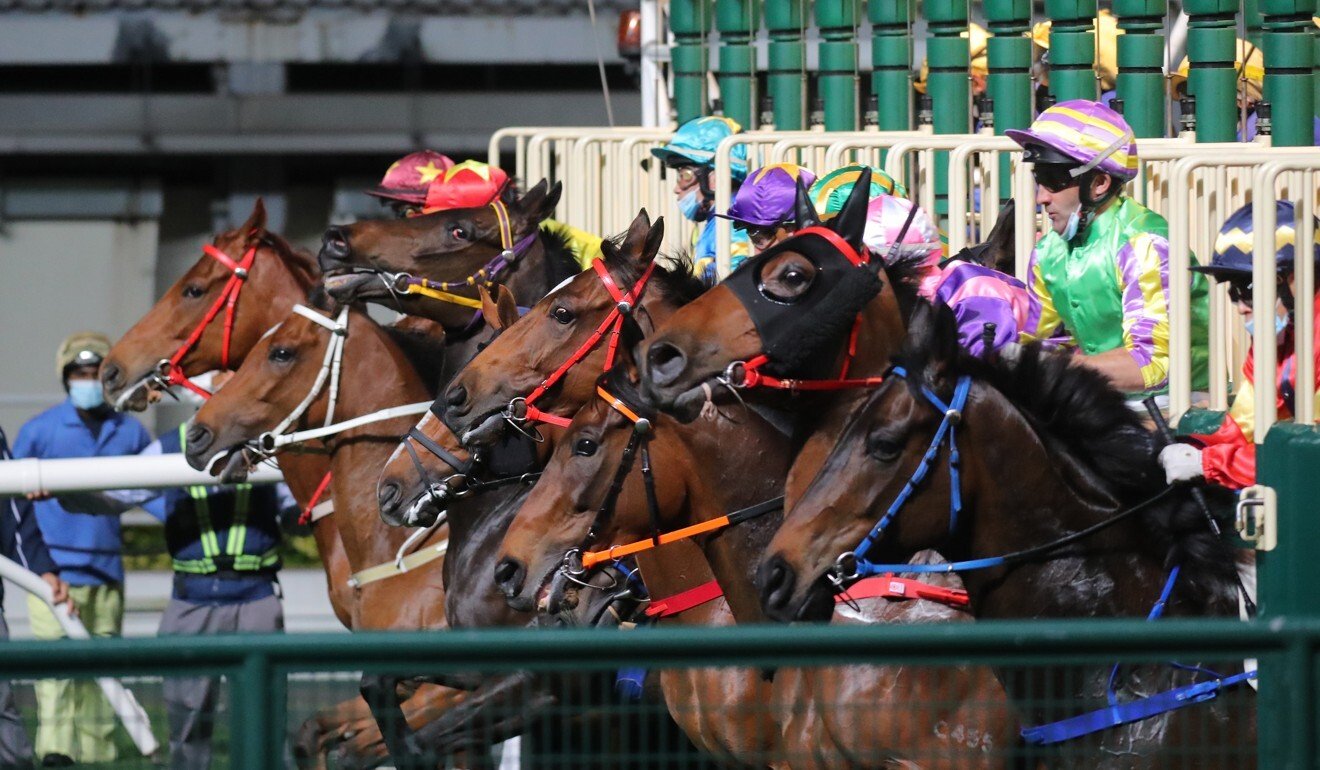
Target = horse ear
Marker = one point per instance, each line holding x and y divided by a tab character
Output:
257	219
636	240
655	238
502	310
851	221
540	201
804	210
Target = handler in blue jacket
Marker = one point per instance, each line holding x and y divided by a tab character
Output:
75	722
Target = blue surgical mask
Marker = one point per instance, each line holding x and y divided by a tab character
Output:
86	394
1074	223
690	205
1280	323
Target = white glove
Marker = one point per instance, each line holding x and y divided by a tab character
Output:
1181	462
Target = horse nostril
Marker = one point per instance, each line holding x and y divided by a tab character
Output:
456	396
199	439
388	496
111	374
776	579
509	576
334	247
666	362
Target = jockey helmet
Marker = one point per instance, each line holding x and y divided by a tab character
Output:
696	140
831	191
467	185
407	178
1080	133
766	198
885	216
1235	244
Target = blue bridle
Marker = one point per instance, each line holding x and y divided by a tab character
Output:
947	432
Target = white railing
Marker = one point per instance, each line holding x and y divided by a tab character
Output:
1206	184
85	474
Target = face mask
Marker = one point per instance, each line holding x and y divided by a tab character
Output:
86	394
1074	224
1280	323
690	205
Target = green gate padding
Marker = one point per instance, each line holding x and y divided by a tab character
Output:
1288	583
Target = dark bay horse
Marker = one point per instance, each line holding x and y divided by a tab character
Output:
1046	449
728	460
454	253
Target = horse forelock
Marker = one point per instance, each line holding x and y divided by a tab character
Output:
1075	411
674	276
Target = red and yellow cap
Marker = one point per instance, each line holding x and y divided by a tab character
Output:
466	185
408	178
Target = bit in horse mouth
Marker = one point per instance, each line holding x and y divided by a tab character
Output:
355	284
487	431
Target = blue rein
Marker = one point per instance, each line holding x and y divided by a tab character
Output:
1115	713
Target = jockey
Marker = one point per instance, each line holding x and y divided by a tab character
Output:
764	205
691	153
1101	274
977	295
1229	454
403	188
473	184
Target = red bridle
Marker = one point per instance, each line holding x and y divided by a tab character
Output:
522	409
169	368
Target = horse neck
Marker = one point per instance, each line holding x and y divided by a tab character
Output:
476	529
1112	573
529	278
376	375
727	481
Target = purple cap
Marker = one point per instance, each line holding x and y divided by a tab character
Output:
767	197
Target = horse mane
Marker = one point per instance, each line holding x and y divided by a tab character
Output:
300	260
674	275
1076	411
904	273
560	263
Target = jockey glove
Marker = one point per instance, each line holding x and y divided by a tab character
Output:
1181	463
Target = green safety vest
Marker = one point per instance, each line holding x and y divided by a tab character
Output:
234	539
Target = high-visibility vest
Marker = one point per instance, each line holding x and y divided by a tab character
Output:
232	556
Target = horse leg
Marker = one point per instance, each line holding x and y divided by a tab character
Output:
382	696
328	726
498	710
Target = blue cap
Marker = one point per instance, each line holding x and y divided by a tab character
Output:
1236	242
695	142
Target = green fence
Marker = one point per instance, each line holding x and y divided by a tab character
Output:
275	681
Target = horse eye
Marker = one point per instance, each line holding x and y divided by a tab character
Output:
884	448
562	314
585	447
459	233
281	355
789	281
193	291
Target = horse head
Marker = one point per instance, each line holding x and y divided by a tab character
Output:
245	281
793	304
382	260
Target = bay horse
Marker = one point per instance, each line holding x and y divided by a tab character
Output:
186	326
1046	450
433	265
734	460
285	376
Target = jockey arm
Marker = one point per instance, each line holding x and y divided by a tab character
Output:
1142	363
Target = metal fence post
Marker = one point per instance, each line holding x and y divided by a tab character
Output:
891	62
1212	78
737	22
251	712
1072	48
1140	64
787	79
837	69
1008	53
690	21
